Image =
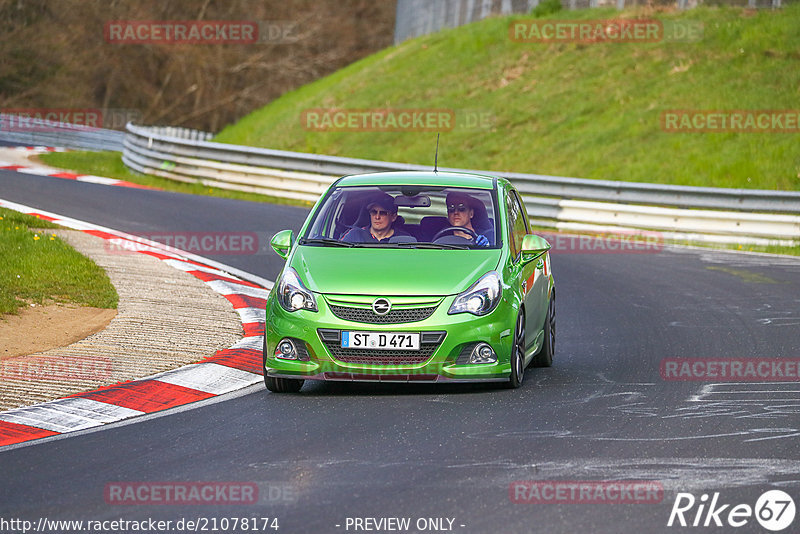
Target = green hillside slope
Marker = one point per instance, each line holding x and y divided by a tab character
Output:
590	110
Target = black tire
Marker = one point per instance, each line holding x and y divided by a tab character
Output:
545	356
283	385
518	353
278	385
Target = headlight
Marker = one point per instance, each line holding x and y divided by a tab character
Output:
481	298
292	294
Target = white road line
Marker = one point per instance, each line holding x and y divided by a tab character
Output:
252	342
185	266
252	315
39	171
210	378
49	417
229	288
98	180
92	409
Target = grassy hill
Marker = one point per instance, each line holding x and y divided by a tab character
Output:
570	109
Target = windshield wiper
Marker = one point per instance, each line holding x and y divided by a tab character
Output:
326	241
423	244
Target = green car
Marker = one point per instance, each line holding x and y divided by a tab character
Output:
411	277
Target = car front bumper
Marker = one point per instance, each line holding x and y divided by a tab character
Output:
446	362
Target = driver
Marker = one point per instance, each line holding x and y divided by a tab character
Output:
461	212
382	215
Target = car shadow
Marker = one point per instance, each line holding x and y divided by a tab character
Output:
359	389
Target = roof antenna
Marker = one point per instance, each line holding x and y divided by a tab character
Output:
436	157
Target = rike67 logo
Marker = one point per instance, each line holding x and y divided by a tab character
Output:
774	510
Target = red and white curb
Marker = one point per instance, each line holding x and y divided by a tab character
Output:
41	170
36	149
230	369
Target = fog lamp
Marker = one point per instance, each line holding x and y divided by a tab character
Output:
482	353
286	350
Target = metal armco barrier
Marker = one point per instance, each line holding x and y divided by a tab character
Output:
422	17
679	212
60	134
744	216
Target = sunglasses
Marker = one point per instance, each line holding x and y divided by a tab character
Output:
378	213
461	208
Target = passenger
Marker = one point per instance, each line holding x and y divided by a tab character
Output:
382	215
461	211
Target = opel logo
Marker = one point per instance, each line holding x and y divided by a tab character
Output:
381	306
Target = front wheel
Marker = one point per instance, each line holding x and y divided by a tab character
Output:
545	356
518	353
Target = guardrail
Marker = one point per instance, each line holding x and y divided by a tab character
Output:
574	204
679	212
422	17
33	131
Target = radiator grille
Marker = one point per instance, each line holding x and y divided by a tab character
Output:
395	315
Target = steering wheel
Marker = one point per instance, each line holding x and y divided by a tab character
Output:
453	229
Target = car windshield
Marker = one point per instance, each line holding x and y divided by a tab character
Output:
406	216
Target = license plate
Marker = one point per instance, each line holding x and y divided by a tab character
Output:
380	340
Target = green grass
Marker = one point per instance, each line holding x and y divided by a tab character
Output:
769	249
568	109
109	164
39	268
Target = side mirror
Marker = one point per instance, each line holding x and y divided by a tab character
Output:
282	243
533	246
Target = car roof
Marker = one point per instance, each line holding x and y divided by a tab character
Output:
442	179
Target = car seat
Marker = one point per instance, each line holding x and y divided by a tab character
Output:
431	224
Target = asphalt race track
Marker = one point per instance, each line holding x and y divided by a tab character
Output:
339	451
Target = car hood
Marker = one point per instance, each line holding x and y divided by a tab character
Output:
371	271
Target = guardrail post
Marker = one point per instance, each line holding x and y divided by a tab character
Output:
486	8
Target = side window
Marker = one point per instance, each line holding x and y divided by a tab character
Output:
517	222
523	212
